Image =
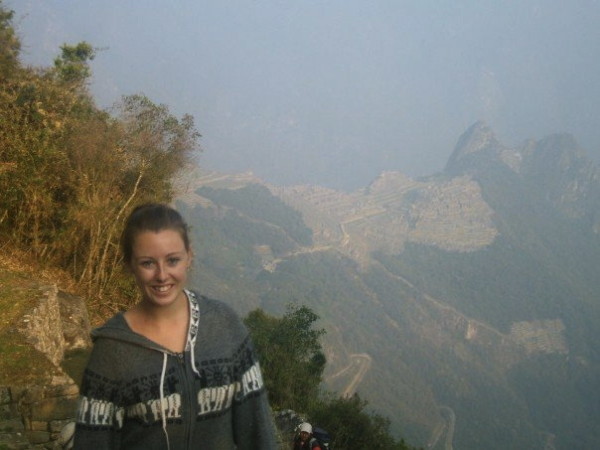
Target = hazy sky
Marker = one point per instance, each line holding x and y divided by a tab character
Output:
333	92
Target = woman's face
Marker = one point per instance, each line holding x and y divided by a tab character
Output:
159	264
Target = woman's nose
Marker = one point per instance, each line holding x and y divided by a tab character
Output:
160	272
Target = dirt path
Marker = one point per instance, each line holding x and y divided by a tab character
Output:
444	433
359	365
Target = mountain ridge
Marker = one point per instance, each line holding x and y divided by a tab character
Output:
464	288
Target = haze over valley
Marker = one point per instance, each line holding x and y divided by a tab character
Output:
334	93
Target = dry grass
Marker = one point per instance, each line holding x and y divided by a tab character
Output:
22	262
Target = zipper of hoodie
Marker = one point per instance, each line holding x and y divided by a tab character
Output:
186	394
188	386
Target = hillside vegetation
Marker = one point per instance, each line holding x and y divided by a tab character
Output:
70	172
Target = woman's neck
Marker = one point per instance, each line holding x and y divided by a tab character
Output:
165	325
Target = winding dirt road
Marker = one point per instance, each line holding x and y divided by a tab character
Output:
359	365
444	431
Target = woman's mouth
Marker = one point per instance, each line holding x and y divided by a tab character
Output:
161	289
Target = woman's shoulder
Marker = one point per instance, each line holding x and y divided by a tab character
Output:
212	307
115	328
217	318
115	338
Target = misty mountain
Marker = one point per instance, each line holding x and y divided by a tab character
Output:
463	305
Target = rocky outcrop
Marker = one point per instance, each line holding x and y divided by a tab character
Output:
75	322
33	412
477	139
42	327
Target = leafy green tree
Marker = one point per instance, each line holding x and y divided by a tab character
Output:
290	354
72	66
352	427
293	362
155	144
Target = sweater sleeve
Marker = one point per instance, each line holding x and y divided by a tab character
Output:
224	335
99	415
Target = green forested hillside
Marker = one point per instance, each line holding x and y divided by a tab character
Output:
256	202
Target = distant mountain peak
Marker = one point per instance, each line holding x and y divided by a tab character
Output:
478	138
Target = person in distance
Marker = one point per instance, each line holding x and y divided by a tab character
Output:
305	439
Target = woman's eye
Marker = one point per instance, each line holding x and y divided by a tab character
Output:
173	261
146	264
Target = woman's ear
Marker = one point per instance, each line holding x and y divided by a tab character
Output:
190	258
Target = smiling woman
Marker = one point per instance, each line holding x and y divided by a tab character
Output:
177	370
160	261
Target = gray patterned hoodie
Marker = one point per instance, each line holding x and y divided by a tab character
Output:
136	394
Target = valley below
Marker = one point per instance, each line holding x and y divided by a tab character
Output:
459	305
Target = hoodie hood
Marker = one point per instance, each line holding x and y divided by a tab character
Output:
118	329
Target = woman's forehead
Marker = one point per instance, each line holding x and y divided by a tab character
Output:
162	239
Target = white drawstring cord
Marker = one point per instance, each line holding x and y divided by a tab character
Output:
192	345
162	397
